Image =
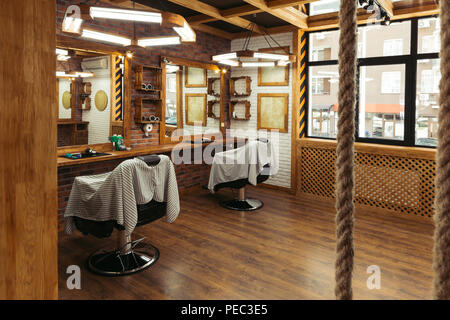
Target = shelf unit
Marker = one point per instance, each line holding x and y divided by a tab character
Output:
142	72
248	90
232	107
211	91
139	109
153	75
211	113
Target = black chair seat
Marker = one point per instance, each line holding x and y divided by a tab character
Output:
240	183
147	213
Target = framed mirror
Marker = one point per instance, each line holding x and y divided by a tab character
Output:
91	91
193	103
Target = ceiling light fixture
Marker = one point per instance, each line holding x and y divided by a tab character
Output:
105	37
126	15
243	57
159	41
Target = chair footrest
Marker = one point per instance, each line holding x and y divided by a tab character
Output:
242	205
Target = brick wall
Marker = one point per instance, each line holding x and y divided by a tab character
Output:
206	46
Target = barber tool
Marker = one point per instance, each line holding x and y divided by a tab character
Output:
73	155
117	141
147	128
152	118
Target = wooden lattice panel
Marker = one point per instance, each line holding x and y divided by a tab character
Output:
399	183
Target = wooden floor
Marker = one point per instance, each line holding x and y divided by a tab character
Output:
283	251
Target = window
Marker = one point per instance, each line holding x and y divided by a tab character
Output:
393	47
324	6
378	41
391	82
398	83
323	90
427	102
381	116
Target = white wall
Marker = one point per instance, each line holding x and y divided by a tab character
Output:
212	125
64	85
99	121
283	177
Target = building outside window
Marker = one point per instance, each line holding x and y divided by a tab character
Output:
389	98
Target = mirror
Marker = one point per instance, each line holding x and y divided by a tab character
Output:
192	100
86	89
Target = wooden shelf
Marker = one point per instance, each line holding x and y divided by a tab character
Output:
156	78
246	106
211	113
211	91
248	90
139	106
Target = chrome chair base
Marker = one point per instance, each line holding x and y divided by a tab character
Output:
242	205
123	262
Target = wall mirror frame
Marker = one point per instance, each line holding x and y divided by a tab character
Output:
167	60
124	126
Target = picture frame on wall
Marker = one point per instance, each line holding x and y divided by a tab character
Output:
273	76
195	77
196	108
273	110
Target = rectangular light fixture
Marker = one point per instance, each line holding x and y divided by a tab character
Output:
232	63
84	74
226	56
186	33
62	52
71	25
158	41
258	64
273	56
100	36
282	63
127	15
64	74
171	68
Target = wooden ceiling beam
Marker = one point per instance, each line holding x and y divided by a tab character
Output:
199	19
273	30
240	11
215	13
276	4
290	15
214	31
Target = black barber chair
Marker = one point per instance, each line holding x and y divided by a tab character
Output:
127	258
242	203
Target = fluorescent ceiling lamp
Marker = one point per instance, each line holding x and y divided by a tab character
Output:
226	56
64	74
100	36
258	64
71	25
123	14
273	56
282	63
61	57
62	52
84	74
171	68
186	33
232	63
158	41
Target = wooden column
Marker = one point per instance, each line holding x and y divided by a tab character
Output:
28	174
296	72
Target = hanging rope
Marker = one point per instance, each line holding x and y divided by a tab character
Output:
344	150
441	263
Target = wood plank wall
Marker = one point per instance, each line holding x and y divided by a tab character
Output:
28	181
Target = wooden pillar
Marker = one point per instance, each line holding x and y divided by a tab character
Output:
28	174
296	73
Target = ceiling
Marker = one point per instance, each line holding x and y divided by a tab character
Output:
232	19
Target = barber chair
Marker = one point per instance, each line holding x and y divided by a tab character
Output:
129	256
242	203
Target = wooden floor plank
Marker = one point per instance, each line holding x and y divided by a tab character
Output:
283	251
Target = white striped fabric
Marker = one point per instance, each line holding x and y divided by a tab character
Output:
115	195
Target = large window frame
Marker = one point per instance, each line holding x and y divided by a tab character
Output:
410	62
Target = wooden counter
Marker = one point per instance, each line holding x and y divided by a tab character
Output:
158	149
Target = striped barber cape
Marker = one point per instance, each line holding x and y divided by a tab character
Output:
115	195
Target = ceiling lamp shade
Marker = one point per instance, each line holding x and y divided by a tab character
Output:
126	15
238	59
105	37
159	41
75	74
